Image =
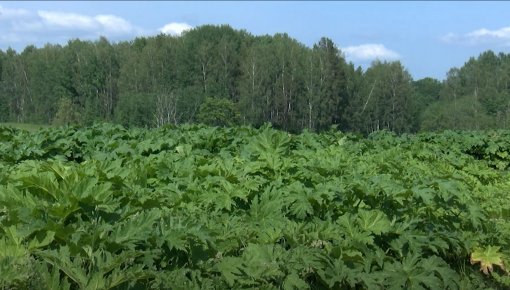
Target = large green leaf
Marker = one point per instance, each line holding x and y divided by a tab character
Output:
488	258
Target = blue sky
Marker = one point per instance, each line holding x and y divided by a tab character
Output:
429	38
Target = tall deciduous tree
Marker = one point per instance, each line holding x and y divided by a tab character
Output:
385	99
14	86
4	101
426	92
331	87
482	83
254	80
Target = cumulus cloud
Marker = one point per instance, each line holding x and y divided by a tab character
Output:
7	13
175	28
114	24
367	52
67	20
21	27
480	36
73	21
450	37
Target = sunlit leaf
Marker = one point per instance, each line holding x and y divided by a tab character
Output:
488	258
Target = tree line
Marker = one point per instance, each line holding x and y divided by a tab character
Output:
220	76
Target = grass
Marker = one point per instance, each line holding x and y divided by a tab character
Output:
25	126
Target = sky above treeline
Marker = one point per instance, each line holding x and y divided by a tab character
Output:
428	37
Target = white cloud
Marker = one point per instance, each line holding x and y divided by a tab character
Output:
7	13
367	52
480	36
450	37
22	27
175	28
67	20
73	21
114	24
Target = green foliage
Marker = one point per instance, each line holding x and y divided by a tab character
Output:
218	112
67	114
487	258
474	96
135	110
166	80
24	126
456	115
196	207
426	93
383	102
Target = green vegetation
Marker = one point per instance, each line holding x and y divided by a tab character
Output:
67	113
24	126
92	205
159	80
196	207
218	112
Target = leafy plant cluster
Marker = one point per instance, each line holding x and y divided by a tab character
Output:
196	207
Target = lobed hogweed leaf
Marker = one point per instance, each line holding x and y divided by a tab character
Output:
488	258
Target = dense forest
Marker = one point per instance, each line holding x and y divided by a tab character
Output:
220	76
